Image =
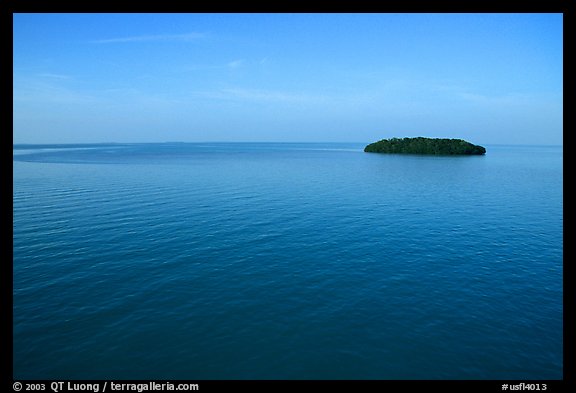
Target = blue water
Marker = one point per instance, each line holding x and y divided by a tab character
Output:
286	261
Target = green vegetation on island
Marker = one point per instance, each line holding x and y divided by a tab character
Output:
421	145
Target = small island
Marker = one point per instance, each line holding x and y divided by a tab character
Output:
421	145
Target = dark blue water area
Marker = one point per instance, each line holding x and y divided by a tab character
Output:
286	261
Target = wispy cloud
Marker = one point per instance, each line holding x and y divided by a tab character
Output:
152	38
49	91
508	100
236	63
50	75
272	96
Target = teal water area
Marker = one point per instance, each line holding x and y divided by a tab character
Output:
286	261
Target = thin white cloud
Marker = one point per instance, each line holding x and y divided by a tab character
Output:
49	92
236	63
510	99
53	76
260	95
152	38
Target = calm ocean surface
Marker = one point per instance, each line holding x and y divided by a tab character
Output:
286	261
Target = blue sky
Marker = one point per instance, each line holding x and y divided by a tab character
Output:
486	78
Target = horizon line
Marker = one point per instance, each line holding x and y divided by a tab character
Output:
239	142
